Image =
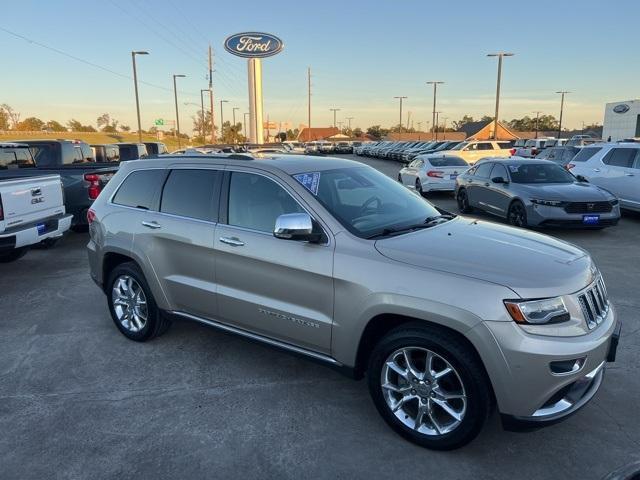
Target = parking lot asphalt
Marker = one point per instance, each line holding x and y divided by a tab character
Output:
79	400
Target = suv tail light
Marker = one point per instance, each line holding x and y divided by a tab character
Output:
94	185
512	152
435	174
91	216
534	151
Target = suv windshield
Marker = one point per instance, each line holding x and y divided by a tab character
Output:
460	146
367	202
539	173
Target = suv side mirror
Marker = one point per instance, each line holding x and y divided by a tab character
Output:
498	180
296	226
580	178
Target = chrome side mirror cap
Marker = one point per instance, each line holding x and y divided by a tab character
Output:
296	226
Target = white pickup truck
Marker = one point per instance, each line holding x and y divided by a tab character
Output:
31	211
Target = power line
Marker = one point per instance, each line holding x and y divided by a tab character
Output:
86	62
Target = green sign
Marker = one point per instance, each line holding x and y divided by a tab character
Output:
159	121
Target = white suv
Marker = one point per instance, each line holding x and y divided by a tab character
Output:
614	166
474	150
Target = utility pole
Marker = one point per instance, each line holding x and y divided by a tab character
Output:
419	126
202	116
213	123
244	125
400	125
222	118
175	96
309	103
444	128
135	83
349	120
500	55
562	93
334	110
537	118
437	124
433	120
408	120
234	123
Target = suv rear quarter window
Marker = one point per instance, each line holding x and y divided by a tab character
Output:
585	154
140	189
620	157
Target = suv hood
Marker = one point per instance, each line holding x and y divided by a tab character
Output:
530	264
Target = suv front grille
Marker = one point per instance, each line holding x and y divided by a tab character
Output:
594	303
588	207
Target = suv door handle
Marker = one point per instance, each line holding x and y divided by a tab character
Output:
596	169
153	224
234	242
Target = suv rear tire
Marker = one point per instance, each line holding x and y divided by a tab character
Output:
13	255
442	407
132	306
463	201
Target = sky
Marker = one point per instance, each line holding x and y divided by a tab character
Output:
361	55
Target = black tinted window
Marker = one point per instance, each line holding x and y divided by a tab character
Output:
44	155
139	189
483	170
539	173
447	162
256	202
18	158
620	157
191	193
585	154
506	145
485	146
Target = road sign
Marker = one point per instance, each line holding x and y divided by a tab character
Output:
159	122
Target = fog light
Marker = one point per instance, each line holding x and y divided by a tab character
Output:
564	367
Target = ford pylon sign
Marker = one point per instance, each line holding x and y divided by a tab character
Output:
621	108
253	45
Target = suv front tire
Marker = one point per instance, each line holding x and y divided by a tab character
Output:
428	386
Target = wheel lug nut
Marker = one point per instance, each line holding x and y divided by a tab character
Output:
413	391
424	400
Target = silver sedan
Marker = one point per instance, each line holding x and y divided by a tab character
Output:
535	193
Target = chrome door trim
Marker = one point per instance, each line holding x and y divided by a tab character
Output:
259	338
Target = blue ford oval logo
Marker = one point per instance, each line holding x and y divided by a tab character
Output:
253	45
622	108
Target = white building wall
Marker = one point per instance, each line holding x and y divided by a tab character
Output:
621	125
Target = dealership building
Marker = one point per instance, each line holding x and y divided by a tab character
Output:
621	120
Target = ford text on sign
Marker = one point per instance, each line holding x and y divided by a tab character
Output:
253	44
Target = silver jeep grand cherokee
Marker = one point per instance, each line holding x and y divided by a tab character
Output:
332	260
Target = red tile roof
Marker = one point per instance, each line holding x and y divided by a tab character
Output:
310	134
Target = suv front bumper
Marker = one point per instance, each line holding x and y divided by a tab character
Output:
530	390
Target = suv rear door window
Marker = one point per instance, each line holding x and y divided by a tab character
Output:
192	193
140	188
256	202
620	157
499	171
485	146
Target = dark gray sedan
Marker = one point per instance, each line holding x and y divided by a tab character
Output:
535	193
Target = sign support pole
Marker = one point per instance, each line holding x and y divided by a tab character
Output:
256	133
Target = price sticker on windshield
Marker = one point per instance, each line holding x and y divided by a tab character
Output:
514	168
310	181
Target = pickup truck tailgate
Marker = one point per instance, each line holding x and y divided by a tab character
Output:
30	199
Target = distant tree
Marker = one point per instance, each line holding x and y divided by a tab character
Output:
75	126
109	129
197	123
103	120
4	120
30	124
281	136
486	119
396	129
55	126
293	134
458	124
14	116
377	131
152	130
231	133
125	128
528	124
357	132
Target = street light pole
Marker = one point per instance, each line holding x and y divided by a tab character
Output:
435	88
202	113
500	56
349	120
562	93
400	125
244	125
436	125
537	118
222	118
334	110
175	96
135	83
234	120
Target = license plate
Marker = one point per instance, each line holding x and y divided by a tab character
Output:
453	176
42	228
591	219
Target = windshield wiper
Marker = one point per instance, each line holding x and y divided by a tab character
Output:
429	222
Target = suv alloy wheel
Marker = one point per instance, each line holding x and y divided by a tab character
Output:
428	386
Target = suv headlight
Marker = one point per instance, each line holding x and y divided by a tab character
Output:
537	312
547	203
